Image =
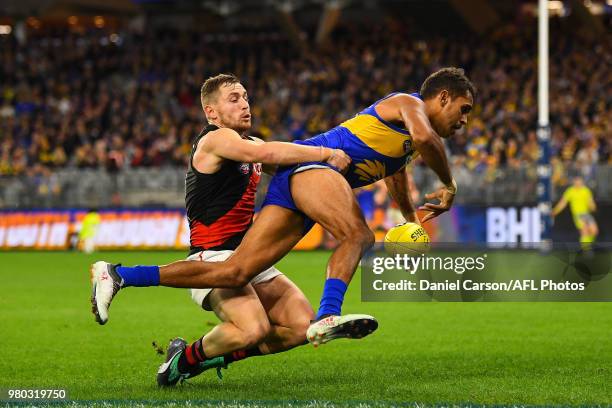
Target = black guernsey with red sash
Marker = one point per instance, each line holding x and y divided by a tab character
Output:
220	206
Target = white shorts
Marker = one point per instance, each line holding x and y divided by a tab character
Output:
200	296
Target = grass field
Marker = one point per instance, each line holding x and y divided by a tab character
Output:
423	353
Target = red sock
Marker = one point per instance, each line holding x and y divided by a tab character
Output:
241	354
194	353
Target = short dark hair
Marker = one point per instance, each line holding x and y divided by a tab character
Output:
451	79
212	85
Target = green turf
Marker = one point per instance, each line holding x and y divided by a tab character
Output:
425	353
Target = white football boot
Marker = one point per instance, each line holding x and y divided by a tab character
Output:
106	283
351	326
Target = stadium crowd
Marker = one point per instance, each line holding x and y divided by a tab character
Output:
125	100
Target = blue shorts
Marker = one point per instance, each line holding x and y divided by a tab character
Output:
279	191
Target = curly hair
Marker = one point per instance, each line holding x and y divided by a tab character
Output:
451	79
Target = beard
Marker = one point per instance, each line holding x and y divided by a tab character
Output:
237	124
241	127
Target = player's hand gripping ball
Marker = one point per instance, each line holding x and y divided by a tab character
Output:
408	238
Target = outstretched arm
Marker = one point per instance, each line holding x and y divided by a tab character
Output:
411	112
227	144
269	169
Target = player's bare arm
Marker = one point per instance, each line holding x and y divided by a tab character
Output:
410	111
399	191
269	169
226	143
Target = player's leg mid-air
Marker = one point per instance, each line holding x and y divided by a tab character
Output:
325	197
273	235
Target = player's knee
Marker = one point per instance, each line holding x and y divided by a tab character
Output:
298	325
256	334
370	239
364	237
297	335
359	235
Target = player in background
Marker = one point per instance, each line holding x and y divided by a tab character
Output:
581	202
87	233
380	140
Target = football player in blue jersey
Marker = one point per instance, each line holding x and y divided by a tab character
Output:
380	141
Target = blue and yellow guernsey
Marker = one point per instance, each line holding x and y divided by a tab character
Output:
377	148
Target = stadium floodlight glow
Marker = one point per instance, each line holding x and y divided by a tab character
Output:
5	29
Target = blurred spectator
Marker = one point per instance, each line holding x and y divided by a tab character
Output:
135	102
